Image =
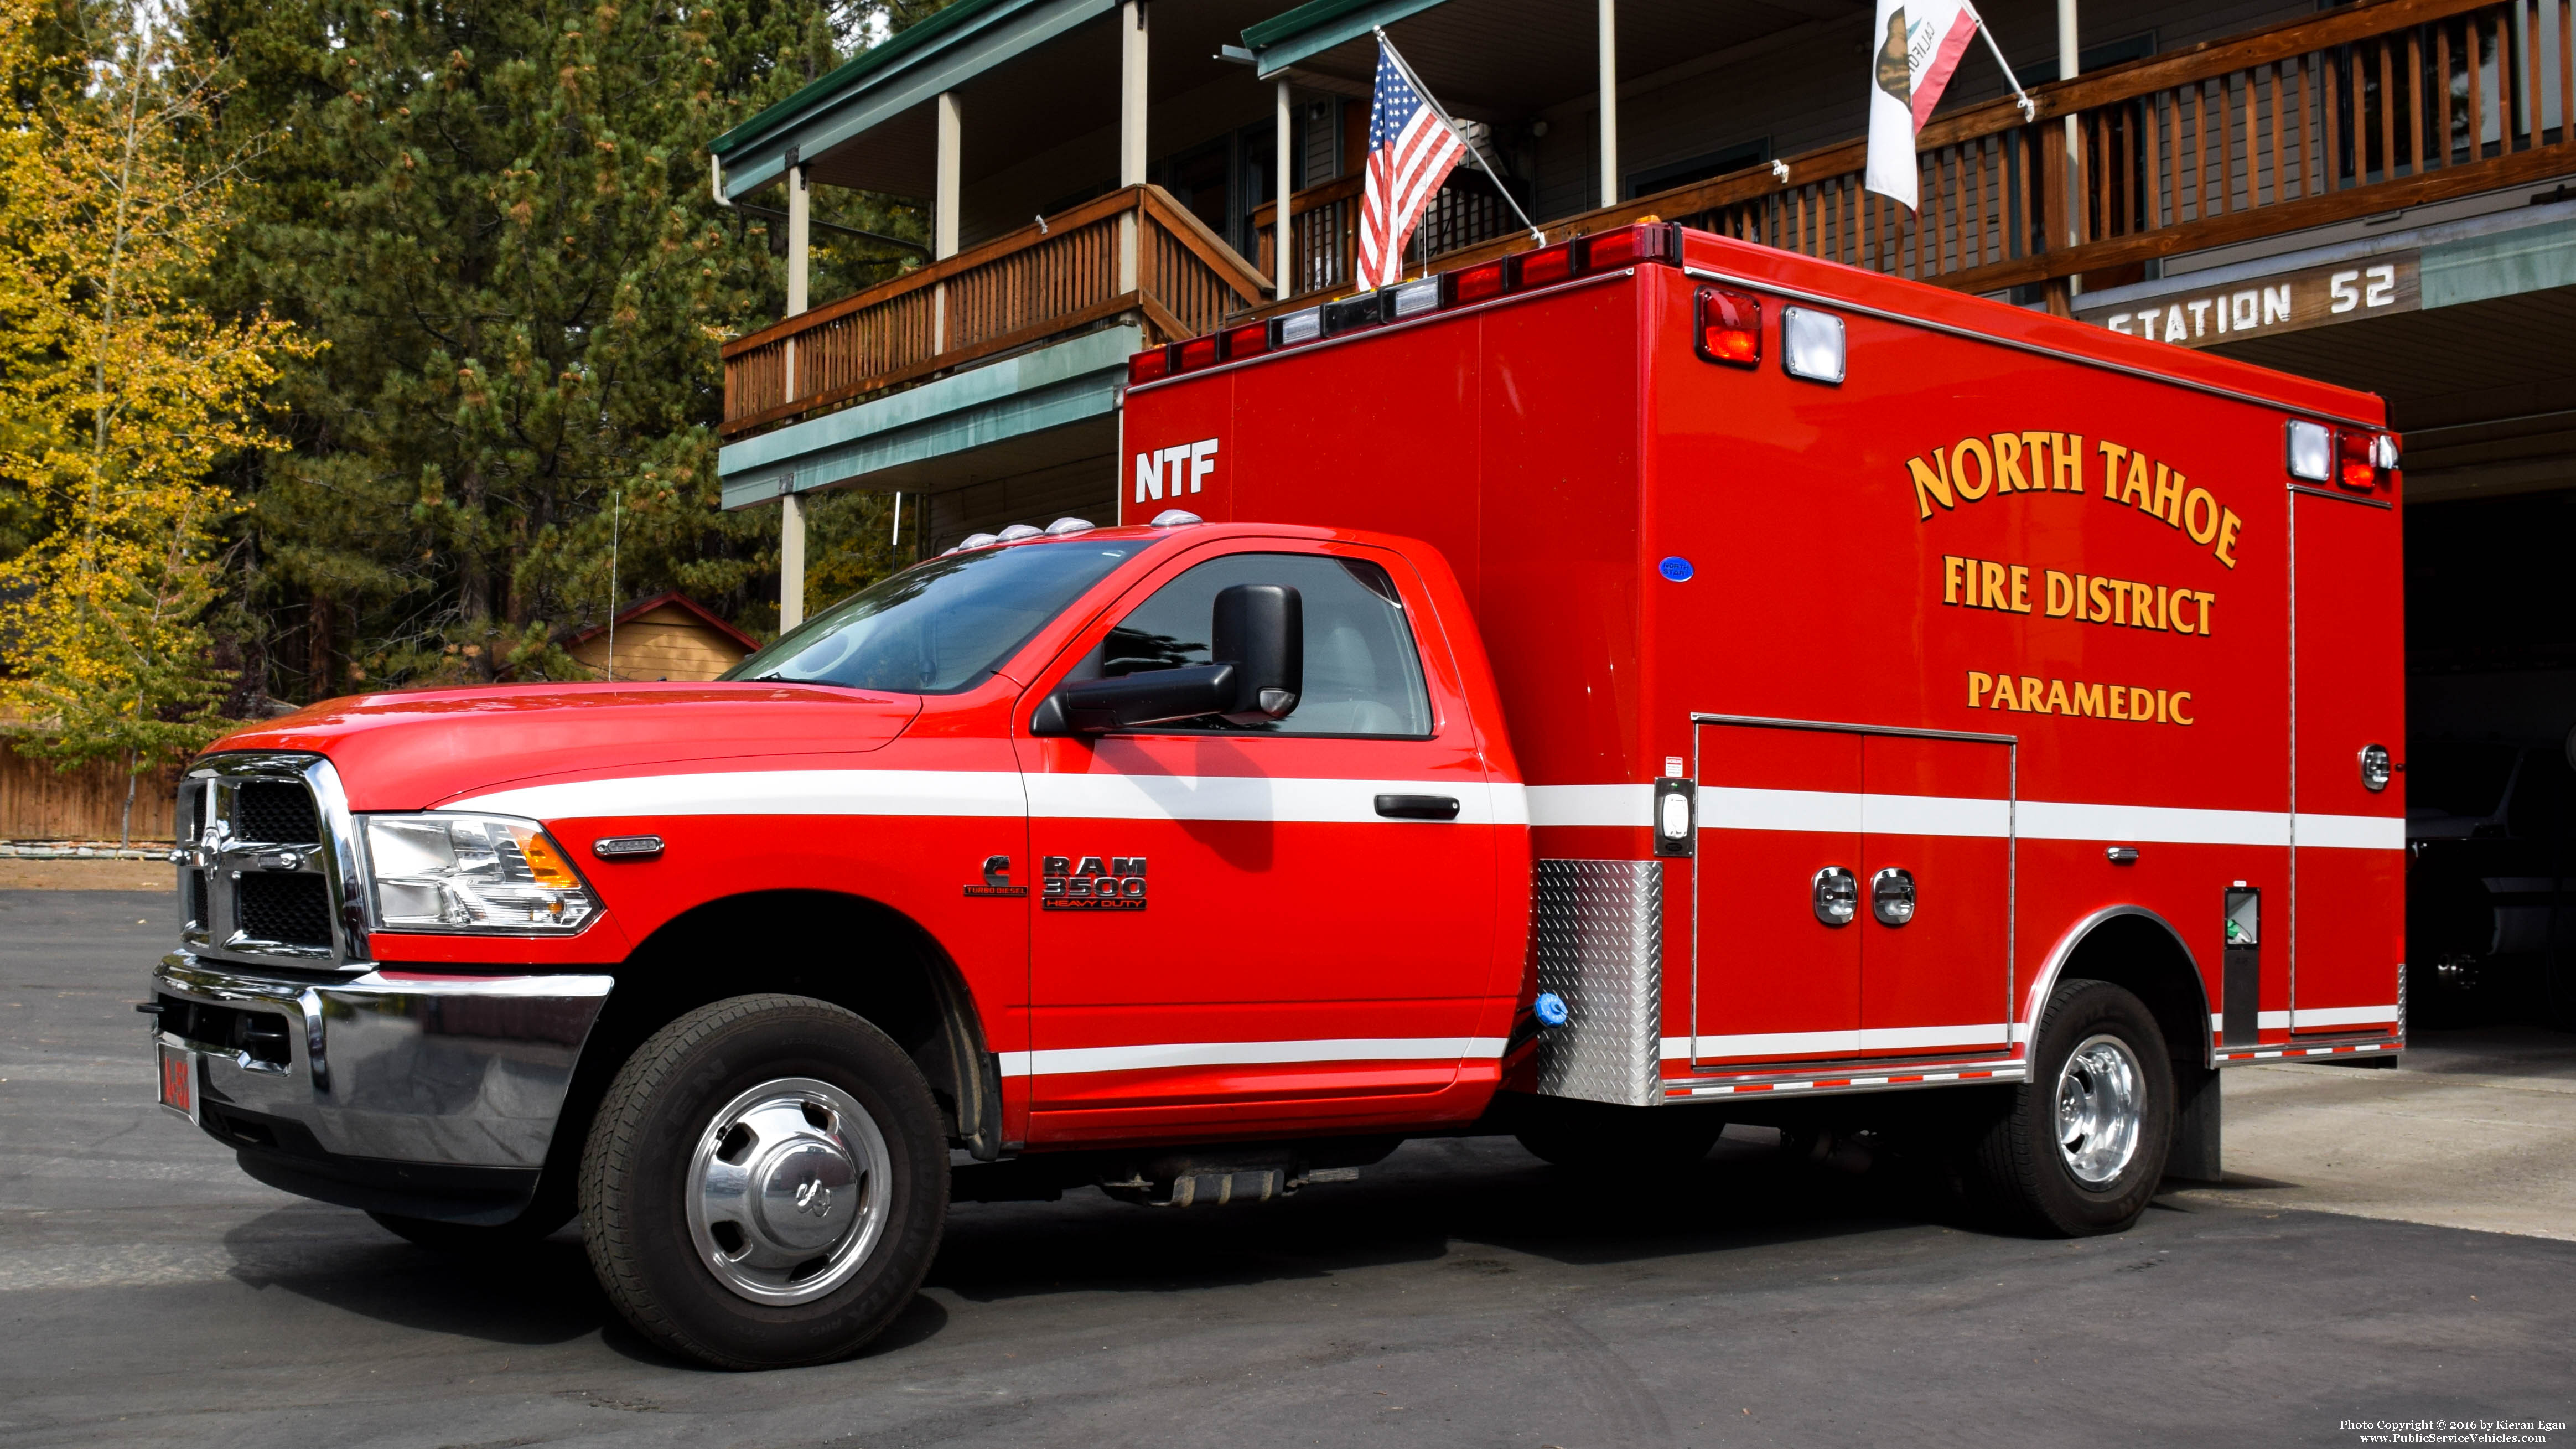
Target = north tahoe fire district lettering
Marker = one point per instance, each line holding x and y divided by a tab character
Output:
1979	583
1975	469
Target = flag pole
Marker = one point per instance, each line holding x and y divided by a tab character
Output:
2021	98
1434	103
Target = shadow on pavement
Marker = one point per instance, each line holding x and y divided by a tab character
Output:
1414	1208
543	1295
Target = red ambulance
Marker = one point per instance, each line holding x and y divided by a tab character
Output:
1635	685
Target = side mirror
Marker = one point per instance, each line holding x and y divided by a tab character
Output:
1261	630
1259	639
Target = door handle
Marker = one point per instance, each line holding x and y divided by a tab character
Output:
1418	807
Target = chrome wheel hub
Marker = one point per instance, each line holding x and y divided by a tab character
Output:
787	1191
2101	1108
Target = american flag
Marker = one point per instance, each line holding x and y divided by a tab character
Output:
1411	151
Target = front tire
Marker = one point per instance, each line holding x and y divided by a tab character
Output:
2079	1148
765	1184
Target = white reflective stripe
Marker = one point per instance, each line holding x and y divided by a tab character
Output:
1838	1043
2339	1016
2353	832
765	792
1732	808
1242	797
1591	804
1727	808
2151	824
1767	1044
995	793
2271	1021
1249	1053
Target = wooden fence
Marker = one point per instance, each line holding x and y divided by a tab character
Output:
38	802
1045	279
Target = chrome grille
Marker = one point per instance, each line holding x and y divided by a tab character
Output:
268	868
291	910
275	812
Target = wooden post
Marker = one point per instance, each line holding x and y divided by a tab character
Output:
943	210
2062	294
791	514
1131	130
1281	247
1609	82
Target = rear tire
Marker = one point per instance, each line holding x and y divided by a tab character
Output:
765	1184
2079	1148
1597	1137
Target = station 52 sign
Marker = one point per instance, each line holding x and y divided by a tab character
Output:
2376	286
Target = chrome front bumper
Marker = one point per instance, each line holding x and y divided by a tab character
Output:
463	1072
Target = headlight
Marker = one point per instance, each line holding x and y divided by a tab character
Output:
471	873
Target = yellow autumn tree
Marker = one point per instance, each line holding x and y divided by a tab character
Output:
122	392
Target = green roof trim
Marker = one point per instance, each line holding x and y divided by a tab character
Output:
1318	25
841	76
1304	17
948	50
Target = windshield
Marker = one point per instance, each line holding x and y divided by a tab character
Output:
940	626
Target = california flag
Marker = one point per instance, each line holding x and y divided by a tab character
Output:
1919	45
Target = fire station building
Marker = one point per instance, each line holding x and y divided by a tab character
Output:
2374	194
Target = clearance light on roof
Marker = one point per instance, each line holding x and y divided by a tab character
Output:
1627	246
1249	340
1728	327
1412	299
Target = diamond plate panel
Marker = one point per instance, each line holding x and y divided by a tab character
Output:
1599	929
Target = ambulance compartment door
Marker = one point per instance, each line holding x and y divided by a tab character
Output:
1936	895
1775	977
2348	841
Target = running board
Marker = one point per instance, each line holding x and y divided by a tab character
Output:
2240	1056
1845	1079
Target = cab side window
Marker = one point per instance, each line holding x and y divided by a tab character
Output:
1363	674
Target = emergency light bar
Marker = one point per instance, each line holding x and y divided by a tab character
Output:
1628	246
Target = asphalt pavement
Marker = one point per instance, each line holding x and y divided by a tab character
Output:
1462	1293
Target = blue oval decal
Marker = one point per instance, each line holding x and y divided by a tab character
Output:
1677	569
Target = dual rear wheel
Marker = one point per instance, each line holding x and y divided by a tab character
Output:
2076	1150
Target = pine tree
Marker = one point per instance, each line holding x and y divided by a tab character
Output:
497	213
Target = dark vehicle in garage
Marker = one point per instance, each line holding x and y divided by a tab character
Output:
2491	882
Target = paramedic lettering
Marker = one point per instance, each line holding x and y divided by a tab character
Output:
2028	695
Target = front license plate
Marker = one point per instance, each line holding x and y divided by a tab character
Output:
179	1080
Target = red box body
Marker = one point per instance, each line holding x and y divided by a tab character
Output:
1647	538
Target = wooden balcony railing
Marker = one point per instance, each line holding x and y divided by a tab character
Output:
1324	226
2365	109
1046	279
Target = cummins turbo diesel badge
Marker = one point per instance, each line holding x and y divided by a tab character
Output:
1092	885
